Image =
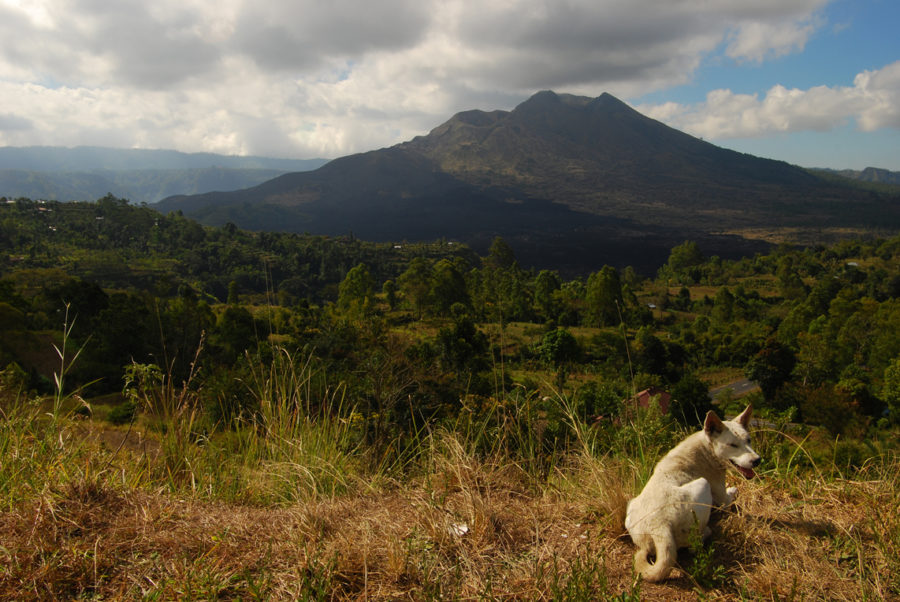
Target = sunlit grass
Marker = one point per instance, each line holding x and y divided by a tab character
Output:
496	503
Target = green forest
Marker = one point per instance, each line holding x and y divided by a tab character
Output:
435	323
231	343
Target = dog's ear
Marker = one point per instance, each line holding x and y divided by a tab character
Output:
744	417
712	424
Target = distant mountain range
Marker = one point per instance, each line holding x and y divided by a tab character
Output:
879	179
571	182
88	173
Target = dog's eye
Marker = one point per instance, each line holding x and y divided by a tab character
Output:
733	444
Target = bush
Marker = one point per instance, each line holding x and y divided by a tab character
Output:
123	413
850	455
690	400
598	400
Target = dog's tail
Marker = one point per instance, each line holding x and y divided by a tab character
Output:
666	551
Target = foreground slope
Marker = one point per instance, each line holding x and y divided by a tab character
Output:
469	528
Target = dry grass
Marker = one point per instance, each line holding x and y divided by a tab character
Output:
799	236
290	509
467	527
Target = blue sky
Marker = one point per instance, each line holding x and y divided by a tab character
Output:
812	82
854	36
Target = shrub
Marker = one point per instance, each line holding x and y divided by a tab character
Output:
123	413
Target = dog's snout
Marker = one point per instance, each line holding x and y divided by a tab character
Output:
756	461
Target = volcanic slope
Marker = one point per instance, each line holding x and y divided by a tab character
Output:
566	179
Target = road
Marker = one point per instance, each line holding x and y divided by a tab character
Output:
739	388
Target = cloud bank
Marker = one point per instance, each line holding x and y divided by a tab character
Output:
303	78
871	104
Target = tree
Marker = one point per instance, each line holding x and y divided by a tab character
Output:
650	352
389	288
771	367
685	255
560	348
232	293
85	299
504	294
121	333
816	358
890	390
789	283
357	291
598	400
723	306
501	255
235	332
683	300
448	287
184	321
690	400
463	347
546	285
415	283
825	405
603	296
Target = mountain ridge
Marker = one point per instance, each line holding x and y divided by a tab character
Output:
557	171
92	158
140	175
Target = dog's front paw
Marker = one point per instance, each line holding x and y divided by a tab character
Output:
730	494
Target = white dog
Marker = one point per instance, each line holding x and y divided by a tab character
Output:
685	484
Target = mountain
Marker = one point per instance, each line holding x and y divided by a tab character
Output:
873	178
87	173
138	186
571	182
90	158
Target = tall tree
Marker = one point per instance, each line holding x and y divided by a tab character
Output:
604	297
415	283
501	255
682	257
890	390
771	367
448	286
357	291
546	285
690	400
560	349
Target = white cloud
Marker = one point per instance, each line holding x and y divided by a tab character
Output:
873	102
757	40
881	93
312	78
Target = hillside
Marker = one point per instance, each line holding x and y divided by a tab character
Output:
599	155
561	177
191	412
87	173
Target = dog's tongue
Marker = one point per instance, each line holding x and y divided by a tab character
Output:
747	472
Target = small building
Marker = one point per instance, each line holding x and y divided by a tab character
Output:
663	398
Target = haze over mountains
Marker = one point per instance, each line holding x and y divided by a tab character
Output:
88	173
567	180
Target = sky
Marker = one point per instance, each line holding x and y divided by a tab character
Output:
812	82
